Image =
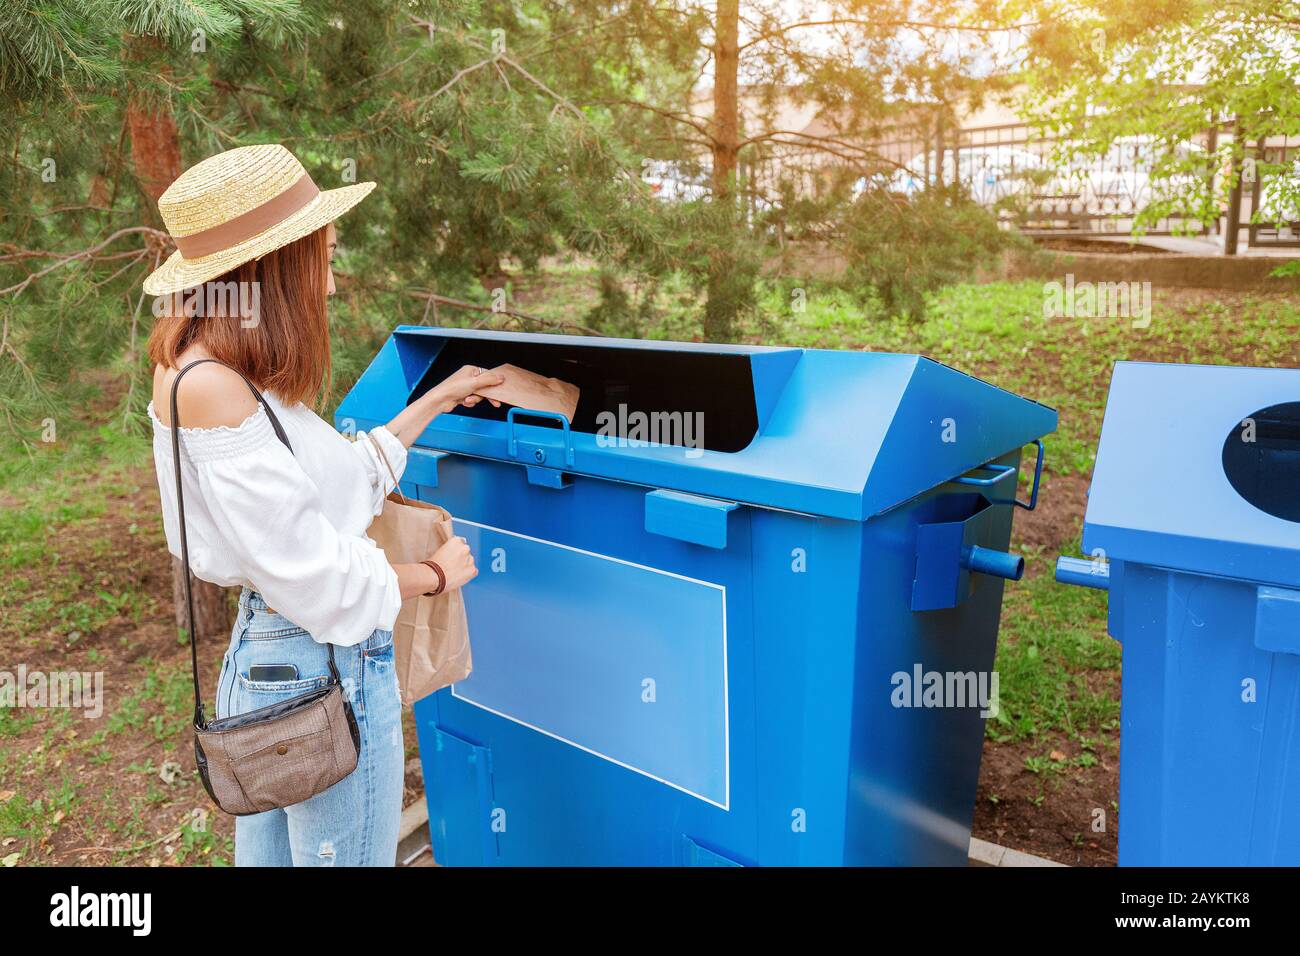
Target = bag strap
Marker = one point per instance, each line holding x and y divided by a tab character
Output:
199	719
370	436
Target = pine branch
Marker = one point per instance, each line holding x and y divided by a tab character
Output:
154	234
175	21
44	45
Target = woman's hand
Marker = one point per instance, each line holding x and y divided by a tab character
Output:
459	387
456	561
456	389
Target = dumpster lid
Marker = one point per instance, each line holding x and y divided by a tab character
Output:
841	434
1181	482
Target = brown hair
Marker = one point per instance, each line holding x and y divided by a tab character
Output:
276	333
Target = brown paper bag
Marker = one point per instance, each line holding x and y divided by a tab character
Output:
431	635
525	389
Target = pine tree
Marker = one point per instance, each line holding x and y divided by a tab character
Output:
66	69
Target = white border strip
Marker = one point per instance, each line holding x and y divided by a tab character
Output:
726	693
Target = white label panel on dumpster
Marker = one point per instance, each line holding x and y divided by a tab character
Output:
623	661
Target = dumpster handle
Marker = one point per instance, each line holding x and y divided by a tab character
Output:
1002	472
536	413
1038	477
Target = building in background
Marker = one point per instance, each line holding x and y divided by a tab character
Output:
1036	183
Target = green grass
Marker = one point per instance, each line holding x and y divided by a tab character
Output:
1052	640
53	527
63	581
41	784
136	714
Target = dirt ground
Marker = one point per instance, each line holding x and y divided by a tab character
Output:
1051	815
1016	808
144	660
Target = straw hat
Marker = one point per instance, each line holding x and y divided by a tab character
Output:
237	206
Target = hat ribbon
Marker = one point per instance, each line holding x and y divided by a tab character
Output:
249	224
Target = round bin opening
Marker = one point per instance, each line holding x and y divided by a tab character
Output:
1261	458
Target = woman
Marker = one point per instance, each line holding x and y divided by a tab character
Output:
255	233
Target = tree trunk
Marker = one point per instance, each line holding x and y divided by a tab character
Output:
721	306
726	99
155	145
1236	170
156	162
939	149
211	607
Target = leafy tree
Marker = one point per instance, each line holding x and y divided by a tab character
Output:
1165	72
634	72
864	64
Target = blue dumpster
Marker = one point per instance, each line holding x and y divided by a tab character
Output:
712	609
1192	526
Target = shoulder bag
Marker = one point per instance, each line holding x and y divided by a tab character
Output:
280	754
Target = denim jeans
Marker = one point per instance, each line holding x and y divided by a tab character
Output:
354	822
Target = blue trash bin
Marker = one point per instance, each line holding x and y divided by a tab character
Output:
712	609
1192	526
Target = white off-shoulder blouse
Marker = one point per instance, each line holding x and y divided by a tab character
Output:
289	525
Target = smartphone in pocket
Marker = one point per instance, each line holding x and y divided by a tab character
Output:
272	672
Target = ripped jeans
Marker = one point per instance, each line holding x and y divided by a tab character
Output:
354	822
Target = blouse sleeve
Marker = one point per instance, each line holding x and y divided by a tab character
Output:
337	587
381	480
